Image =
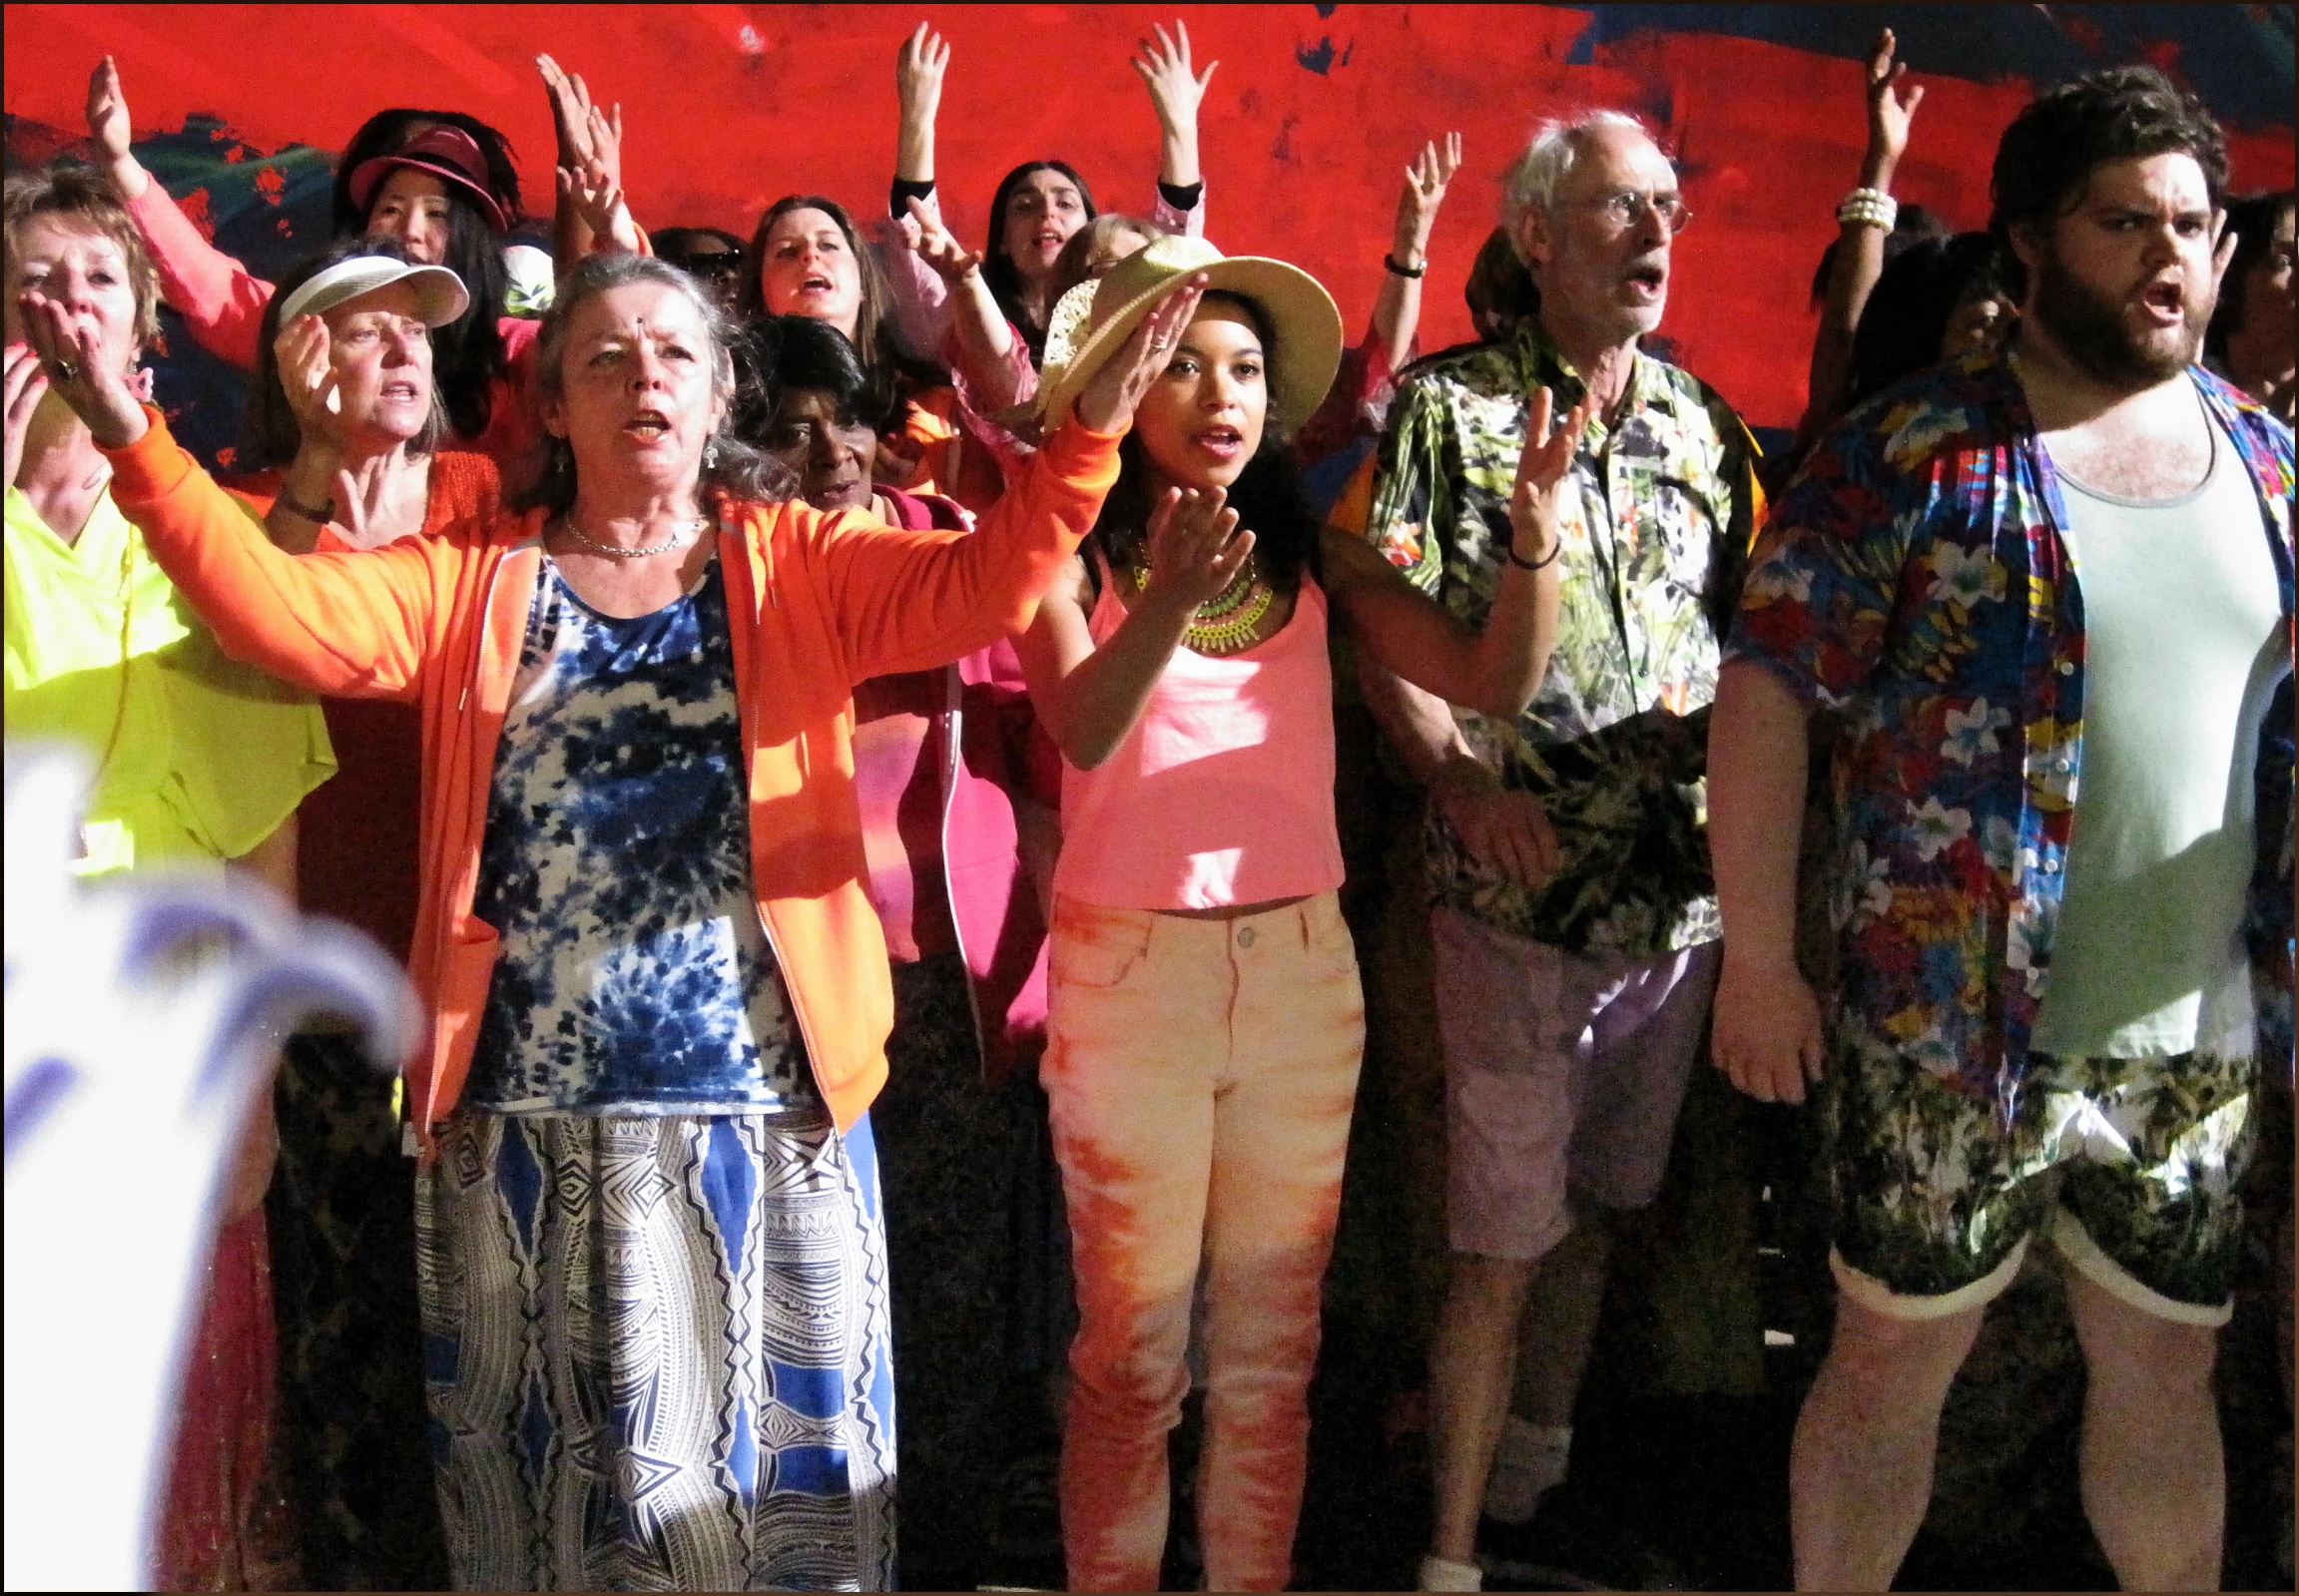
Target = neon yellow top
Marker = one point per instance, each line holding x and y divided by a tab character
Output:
199	757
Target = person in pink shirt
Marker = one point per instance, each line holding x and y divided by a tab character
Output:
1206	1022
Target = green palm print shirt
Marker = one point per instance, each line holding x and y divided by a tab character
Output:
1615	741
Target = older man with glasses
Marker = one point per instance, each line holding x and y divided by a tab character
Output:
1576	920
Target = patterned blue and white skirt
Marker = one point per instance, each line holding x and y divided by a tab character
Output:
657	1354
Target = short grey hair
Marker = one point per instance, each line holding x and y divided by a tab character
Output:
1532	184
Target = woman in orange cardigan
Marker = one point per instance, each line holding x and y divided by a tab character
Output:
652	1261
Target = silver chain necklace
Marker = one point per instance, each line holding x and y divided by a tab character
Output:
694	527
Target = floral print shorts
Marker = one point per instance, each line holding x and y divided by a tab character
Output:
2130	1165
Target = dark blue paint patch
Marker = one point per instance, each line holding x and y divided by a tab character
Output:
811	1471
1326	10
817	1393
1320	57
2239	59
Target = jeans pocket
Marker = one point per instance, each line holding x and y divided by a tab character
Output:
1098	953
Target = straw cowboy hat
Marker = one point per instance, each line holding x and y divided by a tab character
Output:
1094	318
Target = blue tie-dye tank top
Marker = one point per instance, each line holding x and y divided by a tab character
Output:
635	976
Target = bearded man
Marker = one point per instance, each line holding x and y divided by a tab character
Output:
2049	591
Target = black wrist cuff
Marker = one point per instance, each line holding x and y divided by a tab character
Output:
904	191
1388	262
1183	200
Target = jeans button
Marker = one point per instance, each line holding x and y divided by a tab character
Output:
1245	937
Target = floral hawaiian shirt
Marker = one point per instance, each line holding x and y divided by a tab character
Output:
1615	741
1914	578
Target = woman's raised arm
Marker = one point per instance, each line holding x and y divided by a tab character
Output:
221	300
354	624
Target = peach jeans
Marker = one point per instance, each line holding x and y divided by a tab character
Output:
1201	1075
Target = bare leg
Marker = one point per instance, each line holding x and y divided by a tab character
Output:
2155	1478
1561	1308
1471	1370
1859	1476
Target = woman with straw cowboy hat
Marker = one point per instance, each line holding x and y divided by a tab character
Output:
1206	1021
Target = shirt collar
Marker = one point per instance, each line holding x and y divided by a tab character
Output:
1540	363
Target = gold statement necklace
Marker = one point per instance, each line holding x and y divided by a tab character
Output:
1227	619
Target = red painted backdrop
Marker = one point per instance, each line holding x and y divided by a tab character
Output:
1309	121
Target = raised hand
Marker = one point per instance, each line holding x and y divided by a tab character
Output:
598	200
1175	89
924	232
1426	181
71	355
1537	505
1195	550
108	111
604	128
109	128
1107	401
570	111
308	378
919	67
1889	107
26	383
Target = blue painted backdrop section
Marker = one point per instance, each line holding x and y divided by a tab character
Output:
2238	57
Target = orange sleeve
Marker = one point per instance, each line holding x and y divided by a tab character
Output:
354	624
1353	511
911	601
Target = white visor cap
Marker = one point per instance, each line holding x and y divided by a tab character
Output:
440	294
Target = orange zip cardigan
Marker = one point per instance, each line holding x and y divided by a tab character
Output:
815	604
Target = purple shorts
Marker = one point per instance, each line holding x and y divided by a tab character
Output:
1561	1073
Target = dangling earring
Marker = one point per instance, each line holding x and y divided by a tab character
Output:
710	454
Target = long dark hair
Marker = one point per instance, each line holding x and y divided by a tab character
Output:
388	130
467	355
1268	495
268	435
732	467
998	269
1915	297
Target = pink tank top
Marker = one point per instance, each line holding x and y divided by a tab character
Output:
1223	792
